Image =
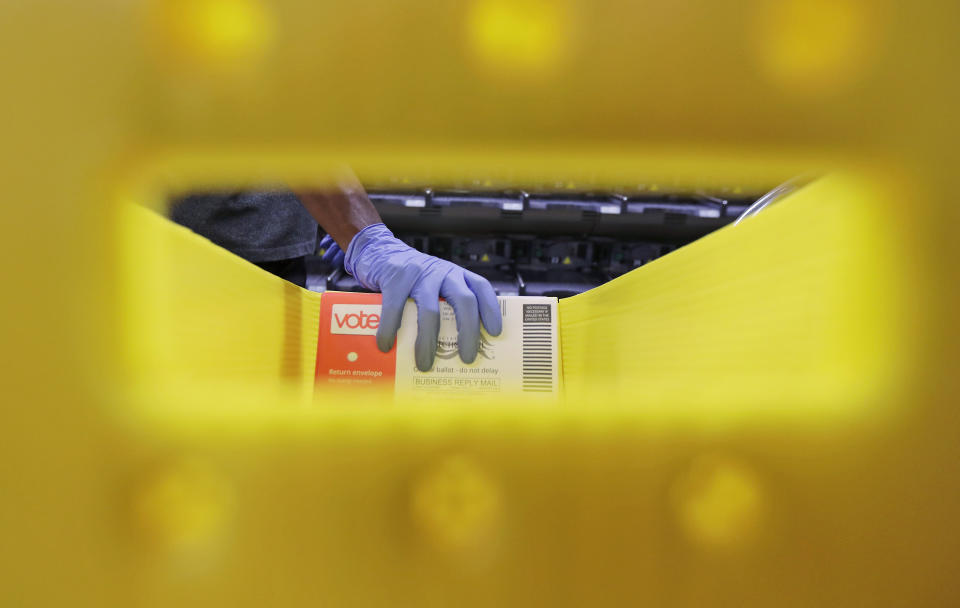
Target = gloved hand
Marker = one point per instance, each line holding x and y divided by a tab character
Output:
332	254
381	262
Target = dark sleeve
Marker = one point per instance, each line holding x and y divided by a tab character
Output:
258	226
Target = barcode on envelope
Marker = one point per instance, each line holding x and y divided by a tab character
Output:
537	372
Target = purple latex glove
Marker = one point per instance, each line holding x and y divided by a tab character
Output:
382	262
332	254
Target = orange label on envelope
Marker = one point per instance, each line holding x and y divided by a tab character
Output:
347	353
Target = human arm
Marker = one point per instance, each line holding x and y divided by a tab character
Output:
381	262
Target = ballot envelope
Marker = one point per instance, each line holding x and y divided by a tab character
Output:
523	360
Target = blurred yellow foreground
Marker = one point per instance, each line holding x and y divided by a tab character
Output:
764	417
